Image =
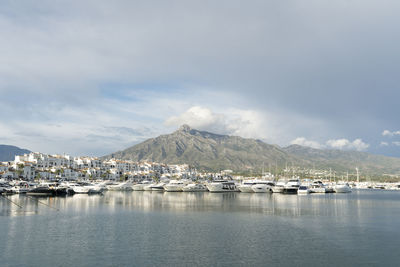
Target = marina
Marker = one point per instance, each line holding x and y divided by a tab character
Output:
290	186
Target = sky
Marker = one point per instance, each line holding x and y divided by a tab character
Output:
95	77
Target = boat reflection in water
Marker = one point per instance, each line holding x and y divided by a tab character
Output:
111	201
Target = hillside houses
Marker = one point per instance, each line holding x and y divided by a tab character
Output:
37	165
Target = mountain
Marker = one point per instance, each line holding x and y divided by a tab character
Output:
7	153
345	160
205	150
214	152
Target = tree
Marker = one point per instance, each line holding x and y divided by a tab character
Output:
156	177
38	176
20	169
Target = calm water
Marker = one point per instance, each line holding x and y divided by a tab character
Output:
227	229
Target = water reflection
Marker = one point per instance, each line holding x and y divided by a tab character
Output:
157	228
339	205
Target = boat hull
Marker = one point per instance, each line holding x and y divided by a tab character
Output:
138	187
220	188
261	188
318	190
290	190
42	191
173	188
277	189
342	189
246	189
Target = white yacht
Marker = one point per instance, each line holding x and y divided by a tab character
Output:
148	187
263	187
194	188
394	186
78	189
157	187
175	185
109	185
246	186
303	190
123	186
317	187
342	188
279	186
140	186
222	186
291	186
20	188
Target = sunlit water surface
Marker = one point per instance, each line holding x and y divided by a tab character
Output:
214	229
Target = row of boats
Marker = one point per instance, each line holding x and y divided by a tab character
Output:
292	186
61	188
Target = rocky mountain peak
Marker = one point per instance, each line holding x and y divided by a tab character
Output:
185	128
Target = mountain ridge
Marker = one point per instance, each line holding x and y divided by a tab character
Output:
214	152
8	152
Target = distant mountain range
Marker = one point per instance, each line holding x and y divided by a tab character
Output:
8	153
214	152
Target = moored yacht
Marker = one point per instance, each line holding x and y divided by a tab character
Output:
175	185
157	187
78	188
140	186
263	187
279	186
303	190
122	186
222	186
20	188
291	186
317	187
342	188
148	187
42	190
246	186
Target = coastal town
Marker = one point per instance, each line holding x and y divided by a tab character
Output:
39	166
36	173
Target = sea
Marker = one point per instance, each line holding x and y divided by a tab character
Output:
361	228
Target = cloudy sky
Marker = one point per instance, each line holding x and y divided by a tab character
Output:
92	77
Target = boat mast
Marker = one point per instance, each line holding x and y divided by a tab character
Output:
262	174
358	175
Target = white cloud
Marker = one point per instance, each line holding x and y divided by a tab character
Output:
396	143
345	144
201	118
233	121
389	133
302	141
254	124
338	144
342	144
384	144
